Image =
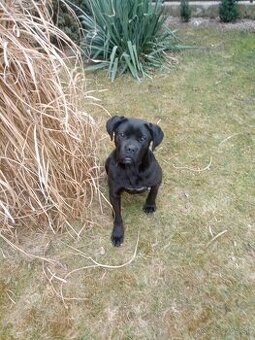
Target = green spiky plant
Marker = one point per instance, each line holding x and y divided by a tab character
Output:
127	35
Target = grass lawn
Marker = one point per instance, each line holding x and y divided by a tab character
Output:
192	274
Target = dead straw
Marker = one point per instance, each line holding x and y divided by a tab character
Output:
48	168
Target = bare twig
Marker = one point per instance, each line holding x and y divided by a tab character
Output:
229	137
97	264
4	256
53	275
94	265
41	258
216	237
207	167
9	293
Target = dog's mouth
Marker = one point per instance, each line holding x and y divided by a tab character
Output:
127	161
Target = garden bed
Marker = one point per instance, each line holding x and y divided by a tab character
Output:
210	9
241	24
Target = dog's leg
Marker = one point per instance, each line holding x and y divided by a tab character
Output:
150	203
118	229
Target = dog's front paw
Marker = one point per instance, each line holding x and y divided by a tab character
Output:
149	208
117	236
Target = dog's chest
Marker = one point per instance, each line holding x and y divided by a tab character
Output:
134	182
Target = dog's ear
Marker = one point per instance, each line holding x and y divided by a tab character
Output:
157	134
113	123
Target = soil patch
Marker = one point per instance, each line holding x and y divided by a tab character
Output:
242	24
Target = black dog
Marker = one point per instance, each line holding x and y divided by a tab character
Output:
132	166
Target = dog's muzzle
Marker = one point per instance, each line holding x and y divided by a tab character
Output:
128	153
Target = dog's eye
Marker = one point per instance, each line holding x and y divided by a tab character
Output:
121	135
142	139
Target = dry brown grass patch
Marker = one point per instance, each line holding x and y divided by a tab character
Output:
48	167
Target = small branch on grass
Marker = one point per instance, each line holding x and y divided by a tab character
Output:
216	237
210	230
94	265
4	256
54	276
191	169
9	293
51	284
97	264
229	137
41	258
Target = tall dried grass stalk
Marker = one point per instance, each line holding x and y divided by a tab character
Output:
47	145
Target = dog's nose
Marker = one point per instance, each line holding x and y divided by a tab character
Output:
131	149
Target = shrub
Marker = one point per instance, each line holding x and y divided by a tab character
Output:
185	11
47	146
64	17
127	35
228	10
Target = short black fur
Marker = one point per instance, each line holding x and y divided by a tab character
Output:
132	166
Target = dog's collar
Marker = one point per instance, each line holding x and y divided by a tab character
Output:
137	189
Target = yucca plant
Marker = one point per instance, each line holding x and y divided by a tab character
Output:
127	35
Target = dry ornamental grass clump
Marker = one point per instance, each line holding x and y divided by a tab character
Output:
47	145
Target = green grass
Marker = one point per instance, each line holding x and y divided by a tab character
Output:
181	284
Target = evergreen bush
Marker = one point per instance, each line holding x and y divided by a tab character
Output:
228	11
185	11
64	17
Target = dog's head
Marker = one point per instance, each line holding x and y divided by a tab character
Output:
133	138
